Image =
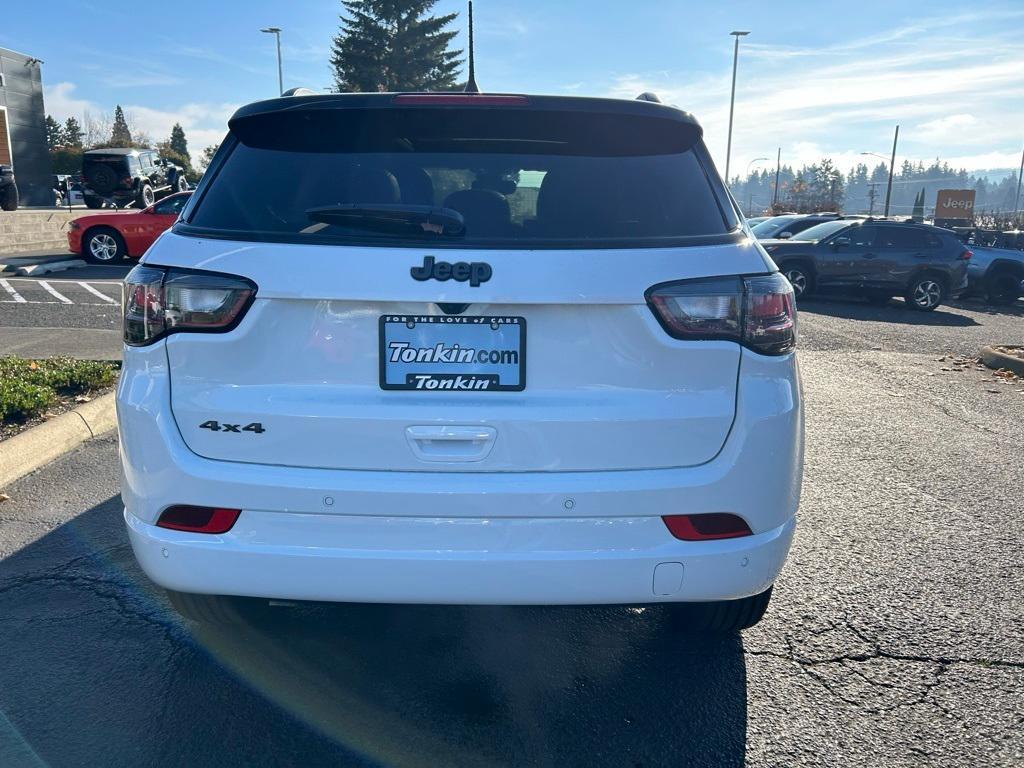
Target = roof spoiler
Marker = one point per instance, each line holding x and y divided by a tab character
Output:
649	96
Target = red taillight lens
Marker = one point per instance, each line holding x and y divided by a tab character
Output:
460	99
159	301
758	312
198	519
966	256
715	525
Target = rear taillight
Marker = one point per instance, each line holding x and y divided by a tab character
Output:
758	312
966	256
159	301
714	525
198	519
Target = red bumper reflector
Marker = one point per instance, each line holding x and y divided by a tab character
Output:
717	525
198	519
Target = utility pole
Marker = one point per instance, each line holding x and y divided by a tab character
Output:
1016	200
892	165
732	100
778	167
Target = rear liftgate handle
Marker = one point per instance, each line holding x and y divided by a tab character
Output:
448	443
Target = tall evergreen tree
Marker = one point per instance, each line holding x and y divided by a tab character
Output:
72	132
394	45
179	143
54	134
120	136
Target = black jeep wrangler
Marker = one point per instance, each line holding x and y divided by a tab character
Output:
8	189
123	177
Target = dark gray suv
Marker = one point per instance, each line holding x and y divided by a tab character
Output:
925	265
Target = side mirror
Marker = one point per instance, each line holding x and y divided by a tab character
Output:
841	242
784	235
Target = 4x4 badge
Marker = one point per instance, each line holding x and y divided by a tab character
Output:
475	271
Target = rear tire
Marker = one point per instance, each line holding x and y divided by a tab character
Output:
207	609
925	293
9	198
1002	287
800	277
146	196
723	617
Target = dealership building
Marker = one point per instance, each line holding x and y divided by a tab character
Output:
23	126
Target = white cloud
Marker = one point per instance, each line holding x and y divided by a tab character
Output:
204	123
841	100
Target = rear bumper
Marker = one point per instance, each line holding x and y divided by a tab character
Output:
529	561
464	537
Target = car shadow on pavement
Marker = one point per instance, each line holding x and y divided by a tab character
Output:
97	669
893	312
1016	309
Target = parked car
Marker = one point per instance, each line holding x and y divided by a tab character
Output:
8	189
877	259
784	227
123	177
996	274
752	220
67	190
341	313
106	238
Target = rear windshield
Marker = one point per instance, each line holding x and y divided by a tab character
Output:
497	183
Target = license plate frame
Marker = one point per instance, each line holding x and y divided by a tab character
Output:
438	335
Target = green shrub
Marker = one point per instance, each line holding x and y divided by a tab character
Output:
29	387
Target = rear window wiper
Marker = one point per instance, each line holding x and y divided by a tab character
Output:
391	218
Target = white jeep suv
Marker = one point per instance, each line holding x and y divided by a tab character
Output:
461	348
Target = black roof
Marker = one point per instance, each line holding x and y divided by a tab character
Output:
329	101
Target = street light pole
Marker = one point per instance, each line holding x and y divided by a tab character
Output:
892	166
732	99
1016	200
750	195
778	167
276	32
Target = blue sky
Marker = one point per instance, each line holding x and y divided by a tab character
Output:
813	81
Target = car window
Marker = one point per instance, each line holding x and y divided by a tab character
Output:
537	181
901	237
771	227
821	231
801	224
932	240
862	236
171	206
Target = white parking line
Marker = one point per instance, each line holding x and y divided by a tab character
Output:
16	297
94	292
53	292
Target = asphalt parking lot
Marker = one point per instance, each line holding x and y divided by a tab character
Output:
895	636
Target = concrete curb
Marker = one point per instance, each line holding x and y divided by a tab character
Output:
993	358
50	440
53	266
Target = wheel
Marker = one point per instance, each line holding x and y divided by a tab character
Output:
146	197
925	293
207	609
800	277
103	246
9	198
1003	287
180	184
724	617
93	202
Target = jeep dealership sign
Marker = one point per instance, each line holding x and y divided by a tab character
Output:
954	204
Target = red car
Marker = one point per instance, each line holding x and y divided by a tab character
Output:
106	238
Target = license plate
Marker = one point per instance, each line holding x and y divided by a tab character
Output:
453	353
